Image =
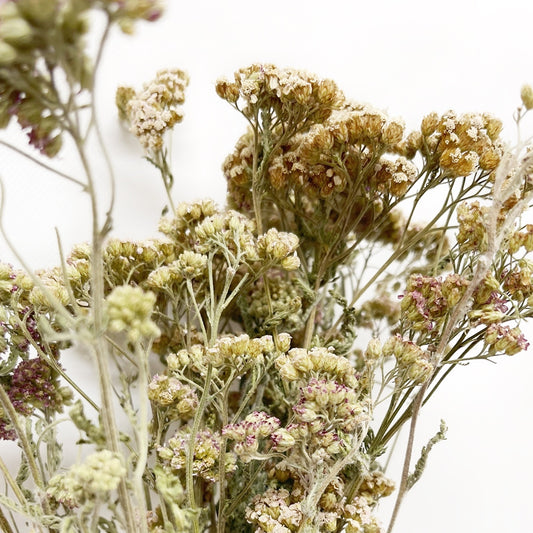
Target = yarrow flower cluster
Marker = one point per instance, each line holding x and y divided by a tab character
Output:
504	339
248	434
287	91
170	393
236	352
299	364
427	300
206	453
32	386
154	111
92	480
129	310
413	362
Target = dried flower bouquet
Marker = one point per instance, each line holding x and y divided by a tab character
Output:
256	362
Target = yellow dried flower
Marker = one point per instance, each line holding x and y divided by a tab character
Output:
39	298
458	163
393	132
283	341
373	349
122	98
293	95
15	31
153	111
395	176
429	124
7	54
227	90
276	244
526	94
129	310
490	159
493	126
191	264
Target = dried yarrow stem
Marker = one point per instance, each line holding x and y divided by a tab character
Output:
153	112
252	344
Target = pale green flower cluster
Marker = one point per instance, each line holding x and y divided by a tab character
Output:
92	480
129	310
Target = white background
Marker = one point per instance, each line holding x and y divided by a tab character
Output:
410	58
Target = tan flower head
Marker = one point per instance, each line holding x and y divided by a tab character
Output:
155	110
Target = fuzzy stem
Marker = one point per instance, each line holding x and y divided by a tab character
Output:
14	417
4	524
12	483
142	435
190	456
98	345
44	165
310	505
408	453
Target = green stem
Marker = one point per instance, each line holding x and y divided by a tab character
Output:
142	435
244	492
168	180
14	417
190	457
256	178
44	165
310	504
98	345
13	484
402	490
4	524
221	522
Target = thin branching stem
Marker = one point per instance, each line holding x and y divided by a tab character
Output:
26	446
44	165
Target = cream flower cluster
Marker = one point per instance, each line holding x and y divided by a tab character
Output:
154	111
100	473
129	310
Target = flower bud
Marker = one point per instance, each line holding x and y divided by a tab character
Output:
393	132
8	10
493	126
178	361
267	343
227	90
187	407
489	159
7	54
289	373
373	349
527	96
306	413
290	263
15	31
122	97
39	13
284	342
420	371
429	124
301	361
